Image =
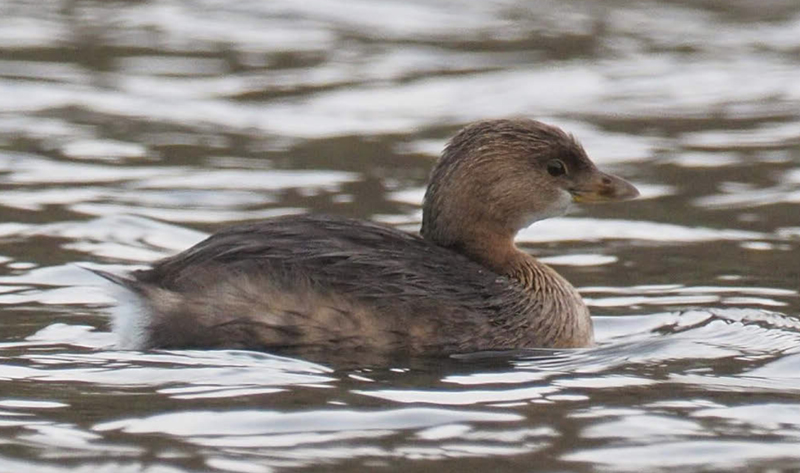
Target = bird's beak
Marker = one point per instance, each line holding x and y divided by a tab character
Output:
602	187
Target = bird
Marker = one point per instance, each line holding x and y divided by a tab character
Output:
321	286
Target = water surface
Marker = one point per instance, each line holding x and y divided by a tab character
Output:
132	129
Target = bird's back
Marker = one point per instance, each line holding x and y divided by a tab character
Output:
306	284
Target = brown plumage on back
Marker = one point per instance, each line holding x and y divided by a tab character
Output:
317	286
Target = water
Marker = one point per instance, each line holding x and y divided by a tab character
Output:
130	130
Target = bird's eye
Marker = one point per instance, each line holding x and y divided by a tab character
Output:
556	168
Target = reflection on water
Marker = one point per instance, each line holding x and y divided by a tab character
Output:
130	130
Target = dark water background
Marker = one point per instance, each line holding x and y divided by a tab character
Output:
131	129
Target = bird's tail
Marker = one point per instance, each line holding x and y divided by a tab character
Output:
123	281
130	318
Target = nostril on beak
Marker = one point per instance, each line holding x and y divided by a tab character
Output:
606	181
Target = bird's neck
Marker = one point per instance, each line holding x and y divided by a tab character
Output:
498	252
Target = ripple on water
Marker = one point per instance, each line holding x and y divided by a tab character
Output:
464	415
178	120
664	295
697	453
574	228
